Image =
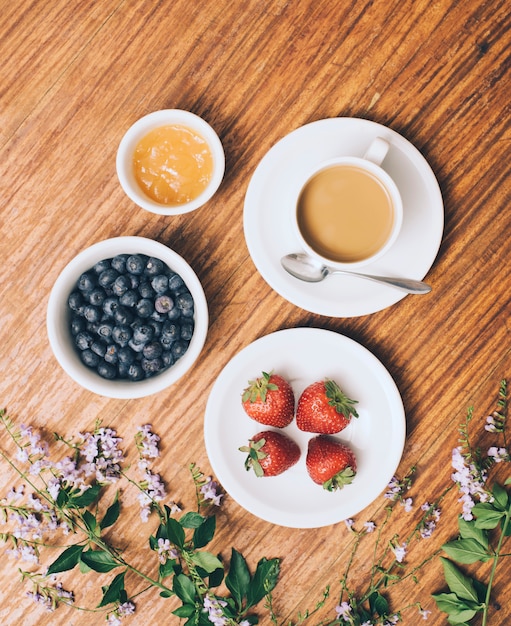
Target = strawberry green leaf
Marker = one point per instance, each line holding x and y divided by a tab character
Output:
238	578
339	400
66	561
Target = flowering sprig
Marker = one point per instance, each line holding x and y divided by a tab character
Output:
66	495
484	524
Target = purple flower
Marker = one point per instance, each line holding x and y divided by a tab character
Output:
470	481
209	491
399	552
343	610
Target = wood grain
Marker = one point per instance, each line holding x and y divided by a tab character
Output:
75	76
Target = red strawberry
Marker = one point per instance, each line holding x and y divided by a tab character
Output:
270	453
269	400
330	463
324	408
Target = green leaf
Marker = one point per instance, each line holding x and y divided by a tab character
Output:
90	521
112	513
86	498
204	533
167	568
378	604
469	530
487	516
166	594
66	561
113	592
238	578
191	520
500	496
264	580
99	560
458	582
187	610
458	610
175	532
207	561
184	589
465	551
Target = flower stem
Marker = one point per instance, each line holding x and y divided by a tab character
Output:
494	567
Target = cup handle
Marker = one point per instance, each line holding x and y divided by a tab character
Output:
377	151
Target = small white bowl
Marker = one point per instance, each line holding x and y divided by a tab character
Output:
58	318
124	160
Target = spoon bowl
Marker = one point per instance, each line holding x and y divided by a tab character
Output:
304	267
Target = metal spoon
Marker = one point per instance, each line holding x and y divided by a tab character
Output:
304	267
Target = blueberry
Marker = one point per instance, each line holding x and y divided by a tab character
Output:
75	301
184	301
101	266
91	313
98	347
142	333
126	356
154	266
77	324
121	335
106	370
107	277
175	282
163	303
120	285
160	283
129	298
96	296
171	330
178	348
119	262
134	281
136	347
151	366
152	350
105	329
135	264
86	282
83	340
135	372
145	290
186	330
123	316
110	305
174	314
145	307
167	359
156	326
112	353
159	318
89	358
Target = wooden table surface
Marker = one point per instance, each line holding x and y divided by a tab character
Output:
75	76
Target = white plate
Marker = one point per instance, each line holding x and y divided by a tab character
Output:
269	206
304	355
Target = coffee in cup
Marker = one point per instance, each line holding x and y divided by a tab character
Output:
349	211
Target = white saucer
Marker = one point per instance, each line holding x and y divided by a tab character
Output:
302	356
268	210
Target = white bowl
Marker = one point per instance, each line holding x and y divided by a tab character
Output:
124	160
58	318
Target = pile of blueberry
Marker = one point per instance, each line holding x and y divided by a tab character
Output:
131	317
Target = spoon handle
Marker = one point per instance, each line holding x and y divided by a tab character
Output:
405	284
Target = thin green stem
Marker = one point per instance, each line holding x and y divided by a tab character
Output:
494	567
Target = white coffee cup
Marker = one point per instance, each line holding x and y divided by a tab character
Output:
349	211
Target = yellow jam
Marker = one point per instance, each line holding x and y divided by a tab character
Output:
173	164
